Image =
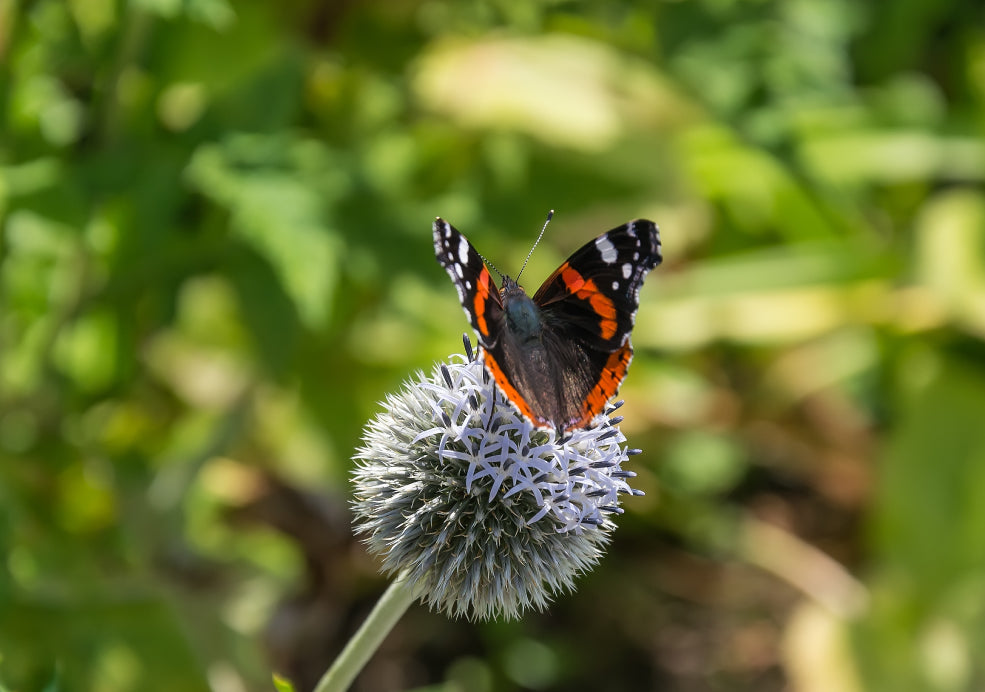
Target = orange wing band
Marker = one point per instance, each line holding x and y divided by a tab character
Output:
479	304
510	391
585	289
609	381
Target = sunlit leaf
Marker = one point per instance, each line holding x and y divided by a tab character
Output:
282	684
277	192
565	90
950	259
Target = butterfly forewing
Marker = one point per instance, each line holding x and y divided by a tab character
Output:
594	295
476	289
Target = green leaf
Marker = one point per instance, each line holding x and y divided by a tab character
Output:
277	191
282	684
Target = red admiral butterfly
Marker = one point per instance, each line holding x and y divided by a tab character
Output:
561	355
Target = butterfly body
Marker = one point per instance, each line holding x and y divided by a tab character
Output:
523	319
561	354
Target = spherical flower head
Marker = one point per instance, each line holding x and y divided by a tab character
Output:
484	514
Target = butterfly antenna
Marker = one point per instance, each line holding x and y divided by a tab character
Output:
550	215
491	266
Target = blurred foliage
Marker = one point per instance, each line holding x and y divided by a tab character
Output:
215	259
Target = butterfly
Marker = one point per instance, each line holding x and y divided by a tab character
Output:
562	354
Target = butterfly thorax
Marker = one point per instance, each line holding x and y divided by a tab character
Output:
521	313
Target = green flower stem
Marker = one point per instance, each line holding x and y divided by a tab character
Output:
367	640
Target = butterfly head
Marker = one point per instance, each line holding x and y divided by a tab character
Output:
510	288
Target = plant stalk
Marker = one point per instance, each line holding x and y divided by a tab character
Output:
364	643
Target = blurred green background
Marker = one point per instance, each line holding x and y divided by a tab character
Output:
215	259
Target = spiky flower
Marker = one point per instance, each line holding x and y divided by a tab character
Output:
484	514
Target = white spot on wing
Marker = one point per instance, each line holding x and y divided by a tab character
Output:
458	270
627	270
463	250
606	249
615	285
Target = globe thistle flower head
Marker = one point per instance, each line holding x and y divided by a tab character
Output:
485	514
